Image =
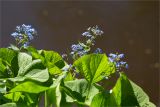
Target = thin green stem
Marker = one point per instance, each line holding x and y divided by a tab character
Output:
46	100
13	92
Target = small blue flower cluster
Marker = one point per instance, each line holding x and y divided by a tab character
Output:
24	34
81	49
116	58
78	49
98	51
93	31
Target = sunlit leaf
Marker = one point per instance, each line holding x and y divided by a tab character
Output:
30	87
9	105
7	54
125	93
94	67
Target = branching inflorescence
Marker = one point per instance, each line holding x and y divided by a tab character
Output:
81	49
24	34
116	59
91	34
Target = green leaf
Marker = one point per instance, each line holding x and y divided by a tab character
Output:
7	55
94	67
13	96
29	69
80	91
9	105
31	99
14	66
13	47
125	93
30	87
3	88
54	94
104	99
3	68
51	58
38	75
54	70
51	96
26	64
8	59
23	60
98	100
36	54
69	77
141	96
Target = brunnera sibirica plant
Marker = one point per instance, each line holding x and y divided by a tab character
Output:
29	76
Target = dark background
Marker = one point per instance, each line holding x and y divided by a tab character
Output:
131	27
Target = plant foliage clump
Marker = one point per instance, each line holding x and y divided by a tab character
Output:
28	74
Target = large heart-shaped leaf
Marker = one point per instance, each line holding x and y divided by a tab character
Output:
125	93
53	61
25	63
94	67
29	69
51	56
141	96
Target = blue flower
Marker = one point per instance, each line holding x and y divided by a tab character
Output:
78	50
98	51
87	34
116	58
92	32
15	34
96	31
121	56
26	44
18	28
24	34
76	47
81	53
64	55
